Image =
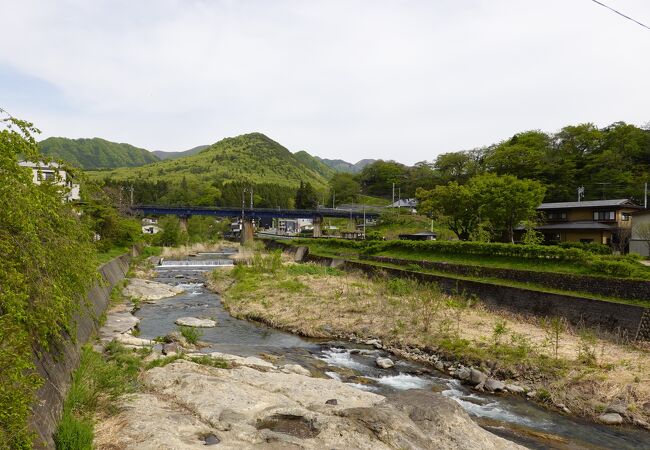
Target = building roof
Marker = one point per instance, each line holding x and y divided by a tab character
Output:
404	203
620	202
421	233
577	225
39	165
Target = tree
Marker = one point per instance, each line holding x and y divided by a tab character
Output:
506	201
453	205
306	197
378	178
345	187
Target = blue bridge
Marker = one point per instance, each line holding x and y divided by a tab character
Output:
254	213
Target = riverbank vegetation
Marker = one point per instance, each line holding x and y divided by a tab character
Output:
51	250
563	365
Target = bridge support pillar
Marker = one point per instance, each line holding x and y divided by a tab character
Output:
183	223
318	226
352	224
247	231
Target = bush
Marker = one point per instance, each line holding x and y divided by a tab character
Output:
592	247
191	334
74	434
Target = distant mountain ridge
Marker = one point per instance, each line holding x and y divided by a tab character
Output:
338	165
95	153
175	155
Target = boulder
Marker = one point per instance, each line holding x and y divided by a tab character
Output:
149	291
384	363
170	349
127	339
462	373
610	419
617	408
477	377
439	366
295	368
195	322
493	385
515	389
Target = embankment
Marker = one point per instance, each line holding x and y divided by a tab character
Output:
56	365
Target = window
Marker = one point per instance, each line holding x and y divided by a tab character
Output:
604	215
586	241
556	215
47	176
625	217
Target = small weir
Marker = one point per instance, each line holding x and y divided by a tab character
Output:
508	416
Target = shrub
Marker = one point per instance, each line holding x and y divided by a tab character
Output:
73	434
191	334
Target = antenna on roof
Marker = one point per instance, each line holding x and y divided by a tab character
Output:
581	193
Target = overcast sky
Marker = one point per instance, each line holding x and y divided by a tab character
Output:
400	79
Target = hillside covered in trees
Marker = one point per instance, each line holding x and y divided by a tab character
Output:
218	175
95	153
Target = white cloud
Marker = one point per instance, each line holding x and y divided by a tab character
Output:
400	79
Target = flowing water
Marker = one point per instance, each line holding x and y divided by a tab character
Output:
511	417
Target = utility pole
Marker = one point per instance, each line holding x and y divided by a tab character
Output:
251	198
131	195
645	196
603	184
333	198
393	193
581	193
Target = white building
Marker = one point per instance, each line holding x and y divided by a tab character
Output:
151	229
52	172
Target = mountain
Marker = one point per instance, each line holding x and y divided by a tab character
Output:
314	163
175	155
95	153
338	165
219	174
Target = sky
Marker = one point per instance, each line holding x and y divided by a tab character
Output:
400	79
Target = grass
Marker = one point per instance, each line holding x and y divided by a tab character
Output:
114	252
190	333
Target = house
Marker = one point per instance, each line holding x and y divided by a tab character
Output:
421	236
599	221
52	172
407	203
151	229
640	240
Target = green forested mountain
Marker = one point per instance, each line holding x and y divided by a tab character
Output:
315	164
174	155
95	153
345	167
219	174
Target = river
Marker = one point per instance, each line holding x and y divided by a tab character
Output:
508	416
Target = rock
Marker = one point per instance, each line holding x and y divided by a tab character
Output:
374	342
439	366
477	377
238	361
646	407
195	322
617	408
170	349
462	373
531	394
493	385
184	402
641	423
562	407
610	419
211	439
332	401
301	253
515	389
297	369
127	339
384	363
149	291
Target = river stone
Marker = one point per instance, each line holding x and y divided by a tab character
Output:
384	363
515	389
332	401
610	419
170	349
476	377
195	322
439	366
462	373
127	339
297	369
211	439
617	408
149	291
493	385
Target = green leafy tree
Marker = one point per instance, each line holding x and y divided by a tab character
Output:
453	205
345	187
506	201
378	178
306	197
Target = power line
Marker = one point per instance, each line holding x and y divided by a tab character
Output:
621	14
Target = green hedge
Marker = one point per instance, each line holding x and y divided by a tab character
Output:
460	248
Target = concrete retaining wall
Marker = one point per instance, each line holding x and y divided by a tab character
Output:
609	287
56	365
